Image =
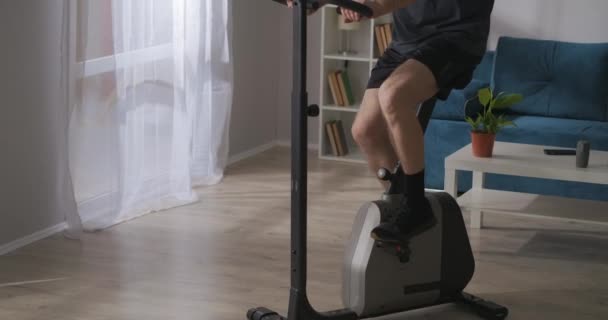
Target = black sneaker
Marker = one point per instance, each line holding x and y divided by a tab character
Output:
405	225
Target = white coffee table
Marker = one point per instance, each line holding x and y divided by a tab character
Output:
528	161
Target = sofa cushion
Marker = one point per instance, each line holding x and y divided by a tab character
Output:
483	71
556	132
557	79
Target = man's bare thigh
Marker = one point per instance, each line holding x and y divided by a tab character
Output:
411	83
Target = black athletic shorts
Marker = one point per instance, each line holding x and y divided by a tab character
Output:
452	67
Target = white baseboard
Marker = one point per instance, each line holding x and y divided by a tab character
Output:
250	153
19	243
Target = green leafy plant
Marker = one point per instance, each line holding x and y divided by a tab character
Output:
486	120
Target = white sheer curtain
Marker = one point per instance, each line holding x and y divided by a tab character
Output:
151	99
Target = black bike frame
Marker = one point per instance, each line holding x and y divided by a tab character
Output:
299	151
299	306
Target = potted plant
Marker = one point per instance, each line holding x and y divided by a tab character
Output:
487	123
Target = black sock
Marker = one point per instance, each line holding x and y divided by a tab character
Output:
415	188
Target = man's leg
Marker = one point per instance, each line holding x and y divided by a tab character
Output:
400	95
371	134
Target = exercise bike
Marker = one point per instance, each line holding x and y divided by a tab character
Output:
379	279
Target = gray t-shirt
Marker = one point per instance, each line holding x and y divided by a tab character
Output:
466	23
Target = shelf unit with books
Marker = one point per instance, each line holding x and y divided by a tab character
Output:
343	81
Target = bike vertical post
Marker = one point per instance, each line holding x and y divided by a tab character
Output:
299	153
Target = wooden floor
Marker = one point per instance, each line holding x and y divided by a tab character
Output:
229	252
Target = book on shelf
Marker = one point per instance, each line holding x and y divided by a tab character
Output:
339	145
384	39
388	32
341	135
337	137
384	36
379	41
350	97
332	139
333	87
340	75
341	89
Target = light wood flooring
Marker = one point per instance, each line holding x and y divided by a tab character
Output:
229	252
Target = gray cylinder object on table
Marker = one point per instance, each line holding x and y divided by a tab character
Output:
583	148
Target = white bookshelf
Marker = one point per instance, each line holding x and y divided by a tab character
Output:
363	41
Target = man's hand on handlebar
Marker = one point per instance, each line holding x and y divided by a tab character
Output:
310	11
349	15
352	16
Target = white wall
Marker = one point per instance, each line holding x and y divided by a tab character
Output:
34	189
285	61
565	20
256	54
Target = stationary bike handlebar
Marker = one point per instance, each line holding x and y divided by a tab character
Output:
346	4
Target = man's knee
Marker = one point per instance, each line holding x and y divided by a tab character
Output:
397	96
409	85
366	134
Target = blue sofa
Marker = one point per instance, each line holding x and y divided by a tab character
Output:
566	99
